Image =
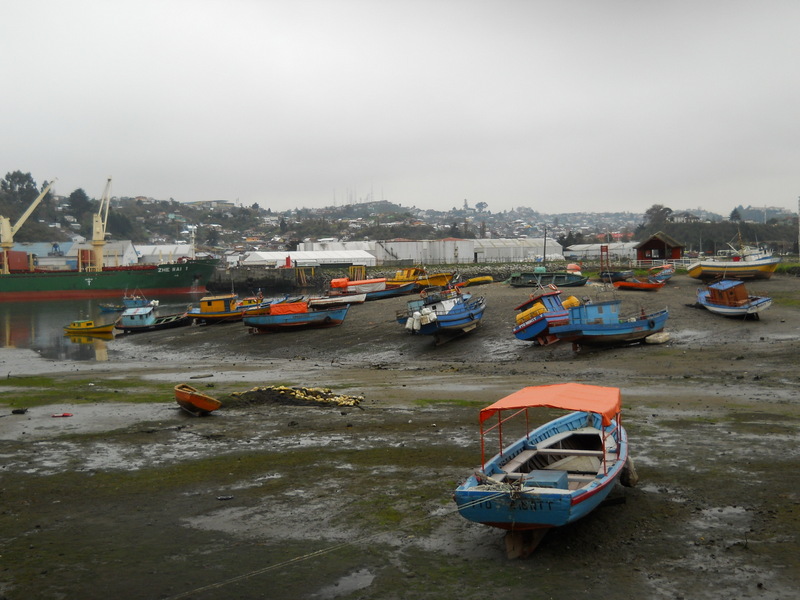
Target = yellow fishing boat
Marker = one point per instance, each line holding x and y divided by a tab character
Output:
421	277
89	327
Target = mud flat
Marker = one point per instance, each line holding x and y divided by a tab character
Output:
137	499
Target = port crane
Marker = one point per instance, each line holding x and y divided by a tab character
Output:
99	221
7	231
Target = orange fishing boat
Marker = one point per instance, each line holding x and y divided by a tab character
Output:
194	401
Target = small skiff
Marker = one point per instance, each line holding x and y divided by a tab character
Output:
194	401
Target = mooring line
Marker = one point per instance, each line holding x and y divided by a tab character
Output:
219	584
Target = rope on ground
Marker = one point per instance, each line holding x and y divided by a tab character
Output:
323	551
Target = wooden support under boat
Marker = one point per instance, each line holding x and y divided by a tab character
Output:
521	544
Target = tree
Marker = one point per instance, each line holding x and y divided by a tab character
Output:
80	204
657	215
481	206
735	216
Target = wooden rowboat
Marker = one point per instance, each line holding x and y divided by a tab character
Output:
194	401
637	284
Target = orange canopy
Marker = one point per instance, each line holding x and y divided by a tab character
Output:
605	401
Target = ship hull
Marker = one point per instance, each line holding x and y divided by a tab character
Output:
172	278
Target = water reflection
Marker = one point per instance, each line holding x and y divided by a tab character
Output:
39	326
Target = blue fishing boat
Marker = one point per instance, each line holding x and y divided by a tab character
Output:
138	320
730	298
600	324
556	473
442	311
128	301
295	315
661	273
537	314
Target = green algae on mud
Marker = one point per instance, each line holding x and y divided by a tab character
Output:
31	391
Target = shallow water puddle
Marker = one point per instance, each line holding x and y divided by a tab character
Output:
352	582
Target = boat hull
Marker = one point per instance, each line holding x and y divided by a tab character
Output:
311	319
173	278
159	323
599	325
612	276
557	278
90	330
464	317
536	329
391	292
638	285
194	401
542	500
729	269
753	306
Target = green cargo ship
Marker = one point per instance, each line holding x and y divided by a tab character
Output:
190	275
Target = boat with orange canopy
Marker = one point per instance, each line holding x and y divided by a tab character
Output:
554	474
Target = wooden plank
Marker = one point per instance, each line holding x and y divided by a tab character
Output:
570	452
520	459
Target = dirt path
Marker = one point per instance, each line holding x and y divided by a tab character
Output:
143	501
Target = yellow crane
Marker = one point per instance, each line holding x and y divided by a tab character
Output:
7	231
99	221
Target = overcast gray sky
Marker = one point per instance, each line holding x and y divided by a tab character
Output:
562	105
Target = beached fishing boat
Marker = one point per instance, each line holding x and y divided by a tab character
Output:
479	280
661	273
140	320
442	312
545	278
421	277
742	262
640	285
375	289
555	473
615	276
128	301
223	308
323	301
88	327
750	263
730	298
295	315
543	309
601	324
194	401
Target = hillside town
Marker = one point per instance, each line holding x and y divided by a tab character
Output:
368	232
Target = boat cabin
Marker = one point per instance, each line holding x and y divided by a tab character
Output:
138	317
83	324
728	293
218	304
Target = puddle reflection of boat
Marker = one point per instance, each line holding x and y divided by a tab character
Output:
87	338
